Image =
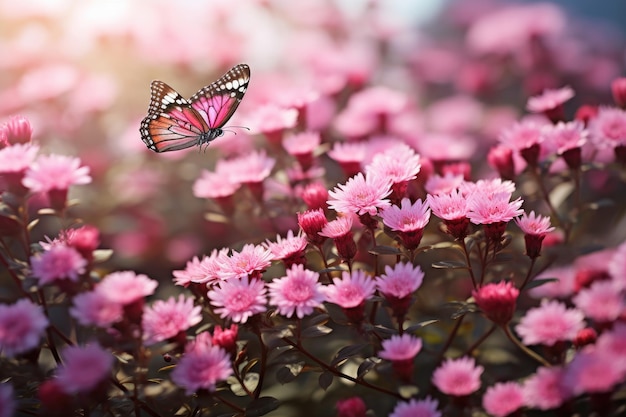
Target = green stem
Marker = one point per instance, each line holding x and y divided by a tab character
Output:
524	348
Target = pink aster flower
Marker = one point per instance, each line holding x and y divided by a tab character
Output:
501	158
289	249
453	209
312	222
563	287
350	292
612	344
216	186
398	164
550	102
408	220
545	389
535	228
59	262
252	167
503	398
250	261
238	299
272	120
401	350
601	302
21	327
497	301
608	128
299	292
7	402
55	172
563	137
361	195
14	162
493	212
17	130
487	188
416	408
437	184
524	137
84	239
84	368
126	287
400	281
617	267
226	338
165	319
202	271
340	230
550	323
301	146
351	407
458	377
94	308
592	371
202	368
349	155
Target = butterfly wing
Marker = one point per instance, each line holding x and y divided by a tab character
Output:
172	123
217	102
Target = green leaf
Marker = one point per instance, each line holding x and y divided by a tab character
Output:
366	366
347	352
325	379
315	331
289	372
539	282
385	250
419	325
449	265
261	406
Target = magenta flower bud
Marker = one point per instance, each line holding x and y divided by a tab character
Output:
351	407
501	158
18	130
497	301
312	222
618	88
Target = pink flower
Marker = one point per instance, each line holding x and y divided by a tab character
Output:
601	302
126	287
84	239
301	146
202	368
299	292
563	287
409	220
437	184
400	281
549	100
226	338
214	185
349	155
55	172
270	119
612	344
617	267
398	164
202	271
251	261
17	158
503	398
21	327
618	88
592	371
166	319
253	167
524	137
7	402
535	229
238	299
501	158
352	290
453	209
550	323
312	223
351	407
545	389
608	128
340	230
400	348
497	301
360	194
57	263
563	137
17	130
94	308
458	377
485	209
314	195
416	408
84	368
290	249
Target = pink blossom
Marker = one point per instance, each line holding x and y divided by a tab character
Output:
289	249
314	195
271	118
202	271
455	114
409	217
251	261
17	130
458	377
397	164
487	188
563	137
523	136
340	230
497	301
601	302
84	368
202	368
298	292
561	288
503	398
532	224
612	344
55	172
165	319
545	389
350	155
302	143
238	299
400	347
438	184
549	99
416	408
592	371
352	290
126	287
253	167
484	210
214	185
618	88
94	308
226	338
17	158
448	206
608	128
21	327
351	407
7	402
57	263
312	223
446	146
550	323
617	267
401	280
501	158
360	194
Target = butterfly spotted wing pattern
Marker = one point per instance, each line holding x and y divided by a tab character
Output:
174	123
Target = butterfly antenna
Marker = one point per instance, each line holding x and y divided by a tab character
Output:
236	127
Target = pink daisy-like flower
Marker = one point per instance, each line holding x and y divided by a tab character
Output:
608	128
272	120
21	327
503	398
453	209
524	137
17	130
485	209
545	389
340	230
202	368
352	290
550	323
487	188
299	292
351	407
57	263
563	287
564	137
361	195
94	308
458	377
497	301
250	261
349	155
400	347
400	281
17	158
84	239
416	408
289	249
549	100
301	146
617	267
55	172
618	88
501	158
84	368
409	220
126	287
601	302
398	164
7	402
592	371
437	184
253	167
165	319
612	343
214	185
535	228
238	299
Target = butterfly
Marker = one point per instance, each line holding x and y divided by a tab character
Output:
174	123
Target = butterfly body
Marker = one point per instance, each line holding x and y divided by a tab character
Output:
174	123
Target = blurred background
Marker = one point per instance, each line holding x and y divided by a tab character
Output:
80	70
